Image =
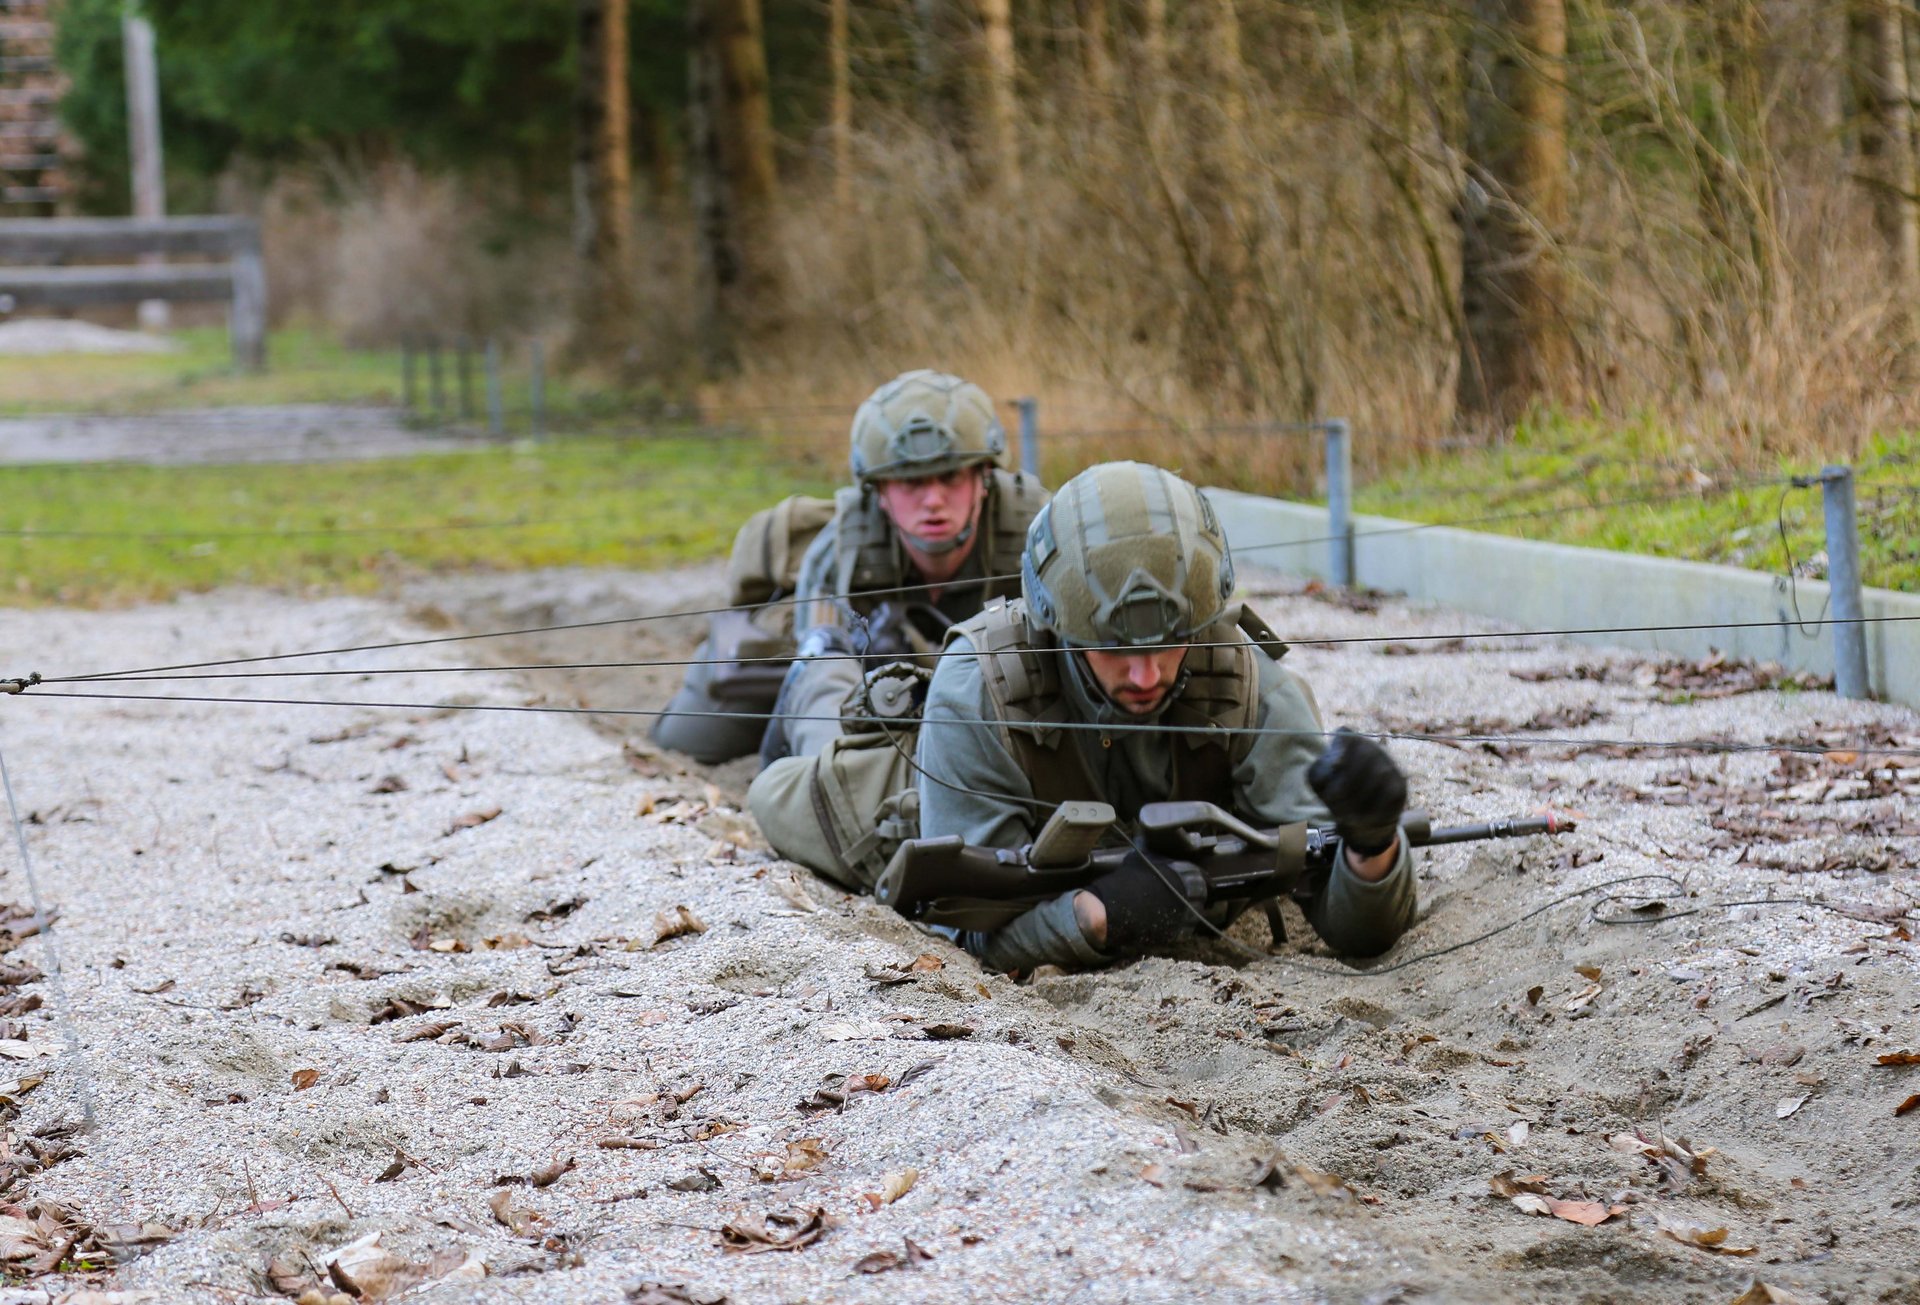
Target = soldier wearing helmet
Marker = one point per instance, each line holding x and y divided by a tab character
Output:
1125	621
930	529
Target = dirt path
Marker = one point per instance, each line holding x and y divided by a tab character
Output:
226	875
283	433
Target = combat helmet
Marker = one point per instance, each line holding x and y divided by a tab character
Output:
924	423
1126	555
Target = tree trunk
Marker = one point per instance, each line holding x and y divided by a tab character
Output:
840	113
997	119
1217	362
1517	344
603	184
1887	135
1096	57
731	173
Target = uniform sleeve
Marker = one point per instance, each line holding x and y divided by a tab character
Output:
1354	917
961	749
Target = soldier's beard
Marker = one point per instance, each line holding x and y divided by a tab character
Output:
1101	707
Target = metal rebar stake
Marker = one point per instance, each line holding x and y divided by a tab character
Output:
464	353
537	397
435	384
1339	501
496	407
1029	436
1843	580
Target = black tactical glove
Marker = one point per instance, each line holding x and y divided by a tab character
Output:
1363	789
1144	908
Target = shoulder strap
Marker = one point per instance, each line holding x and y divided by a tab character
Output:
865	555
1013	500
1023	685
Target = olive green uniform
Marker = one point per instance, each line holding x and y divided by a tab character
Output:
964	744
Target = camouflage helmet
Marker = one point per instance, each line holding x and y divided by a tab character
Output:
1126	555
924	423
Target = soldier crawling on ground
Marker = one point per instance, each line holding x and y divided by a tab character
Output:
930	529
1124	620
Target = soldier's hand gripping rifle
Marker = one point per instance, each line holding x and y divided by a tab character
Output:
1217	859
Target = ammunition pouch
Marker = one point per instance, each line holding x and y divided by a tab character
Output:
749	661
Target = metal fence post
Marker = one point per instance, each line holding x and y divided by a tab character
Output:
1029	436
496	408
436	385
1339	500
538	393
463	352
1843	579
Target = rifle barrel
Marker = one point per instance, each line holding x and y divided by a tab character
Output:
1507	827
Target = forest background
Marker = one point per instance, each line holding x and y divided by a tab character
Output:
1688	229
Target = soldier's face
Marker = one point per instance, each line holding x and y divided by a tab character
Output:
935	508
1138	681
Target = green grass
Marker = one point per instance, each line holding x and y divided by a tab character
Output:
641	502
1574	482
303	367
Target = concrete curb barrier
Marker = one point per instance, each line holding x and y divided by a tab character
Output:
1560	586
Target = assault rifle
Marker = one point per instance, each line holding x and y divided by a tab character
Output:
1218	859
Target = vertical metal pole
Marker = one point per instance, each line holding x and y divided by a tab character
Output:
1339	501
539	392
406	372
1843	578
496	409
436	389
1030	437
463	348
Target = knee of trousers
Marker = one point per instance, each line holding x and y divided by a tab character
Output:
781	800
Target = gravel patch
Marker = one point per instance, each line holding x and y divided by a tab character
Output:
225	875
39	337
295	432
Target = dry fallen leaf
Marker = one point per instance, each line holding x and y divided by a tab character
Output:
1591	972
1706	1239
367	1270
474	819
787	1230
304	1079
894	1186
1506	1184
1533	1203
675	921
701	1179
804	1154
794	892
548	1175
1910	1104
912	1256
1590	1214
1899	1058
1787	1105
519	1219
1517	1133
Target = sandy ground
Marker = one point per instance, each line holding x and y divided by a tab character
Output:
319	997
282	433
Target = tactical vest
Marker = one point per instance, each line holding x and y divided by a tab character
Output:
868	557
1021	669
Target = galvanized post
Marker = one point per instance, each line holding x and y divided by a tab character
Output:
496	409
463	350
538	358
1843	579
1339	501
406	373
436	386
1030	437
